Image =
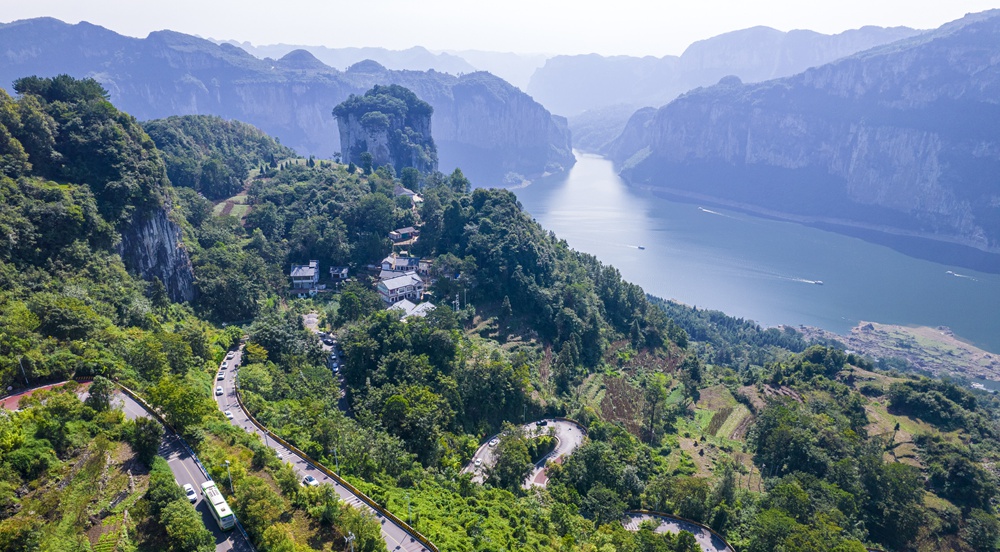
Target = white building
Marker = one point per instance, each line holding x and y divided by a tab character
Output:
408	286
305	278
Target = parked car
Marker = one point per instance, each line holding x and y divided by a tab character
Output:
221	376
479	463
309	481
218	391
230	355
494	441
190	494
225	365
542	423
229	414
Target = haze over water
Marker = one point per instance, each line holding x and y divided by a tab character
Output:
756	268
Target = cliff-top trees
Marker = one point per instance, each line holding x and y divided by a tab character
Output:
391	125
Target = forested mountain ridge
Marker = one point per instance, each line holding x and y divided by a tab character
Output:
211	155
900	139
51	132
482	123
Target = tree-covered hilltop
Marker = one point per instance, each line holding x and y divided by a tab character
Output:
66	130
391	125
212	155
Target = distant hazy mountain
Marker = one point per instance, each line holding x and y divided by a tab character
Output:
411	59
513	68
570	85
481	123
903	139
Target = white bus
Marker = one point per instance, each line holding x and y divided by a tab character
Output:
217	505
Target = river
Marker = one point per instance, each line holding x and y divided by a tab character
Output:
756	268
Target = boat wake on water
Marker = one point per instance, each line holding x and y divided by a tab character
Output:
787	278
957	275
711	212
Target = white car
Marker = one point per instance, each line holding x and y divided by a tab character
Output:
221	376
230	355
309	481
225	365
494	441
190	494
218	391
229	414
479	463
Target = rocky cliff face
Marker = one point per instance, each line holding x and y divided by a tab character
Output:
151	246
481	123
391	124
901	139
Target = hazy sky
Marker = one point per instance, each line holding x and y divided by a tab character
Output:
634	27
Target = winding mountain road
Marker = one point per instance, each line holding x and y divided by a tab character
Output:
396	537
569	436
186	470
708	541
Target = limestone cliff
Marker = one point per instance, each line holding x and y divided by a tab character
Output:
903	139
151	247
481	123
391	124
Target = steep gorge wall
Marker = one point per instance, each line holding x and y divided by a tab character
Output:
905	139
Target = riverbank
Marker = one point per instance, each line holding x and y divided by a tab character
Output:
935	350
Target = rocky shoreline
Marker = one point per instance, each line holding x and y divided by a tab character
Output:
935	350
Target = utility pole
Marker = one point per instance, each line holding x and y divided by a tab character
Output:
350	540
20	362
230	474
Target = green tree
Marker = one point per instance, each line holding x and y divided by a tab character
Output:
459	182
180	402
147	434
259	506
603	505
513	462
982	531
100	393
185	528
366	161
410	177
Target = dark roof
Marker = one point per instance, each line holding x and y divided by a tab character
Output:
305	271
407	279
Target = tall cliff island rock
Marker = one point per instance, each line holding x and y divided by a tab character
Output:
392	124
